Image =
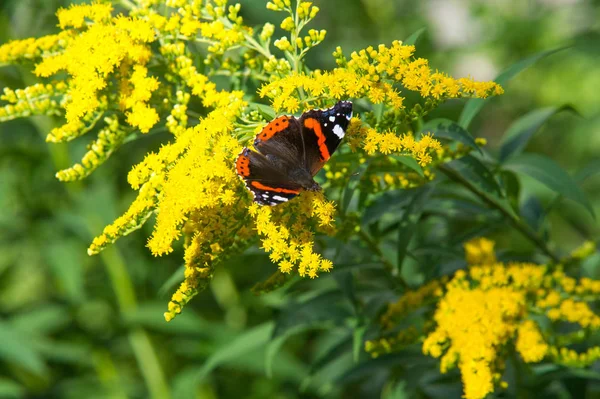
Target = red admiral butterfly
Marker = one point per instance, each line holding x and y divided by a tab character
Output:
290	152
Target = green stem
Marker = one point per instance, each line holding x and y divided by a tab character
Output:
513	219
388	266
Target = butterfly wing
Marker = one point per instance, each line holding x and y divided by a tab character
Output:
322	132
264	179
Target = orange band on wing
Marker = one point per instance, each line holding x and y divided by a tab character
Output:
314	124
277	190
242	165
275	126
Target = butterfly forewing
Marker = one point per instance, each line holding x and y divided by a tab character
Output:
323	131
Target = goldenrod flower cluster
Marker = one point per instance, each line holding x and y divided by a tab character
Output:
484	311
137	72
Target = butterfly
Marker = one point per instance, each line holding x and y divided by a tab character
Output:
290	151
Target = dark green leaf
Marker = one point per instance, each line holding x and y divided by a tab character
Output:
522	130
550	174
413	38
475	171
388	202
474	105
338	349
447	129
248	341
387	361
275	345
352	186
408	223
512	187
325	307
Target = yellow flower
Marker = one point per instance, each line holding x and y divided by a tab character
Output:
530	343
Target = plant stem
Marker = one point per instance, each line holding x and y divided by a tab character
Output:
514	220
389	267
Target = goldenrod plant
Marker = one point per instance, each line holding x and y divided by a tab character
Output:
406	189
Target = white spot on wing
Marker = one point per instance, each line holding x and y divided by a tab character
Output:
279	198
338	131
349	116
332	118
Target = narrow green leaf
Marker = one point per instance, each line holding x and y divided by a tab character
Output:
409	162
474	105
358	335
169	285
447	129
548	172
414	37
475	171
275	345
325	307
246	342
522	130
335	351
352	186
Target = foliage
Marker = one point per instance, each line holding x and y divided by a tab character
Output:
406	190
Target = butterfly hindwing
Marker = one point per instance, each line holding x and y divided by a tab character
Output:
268	185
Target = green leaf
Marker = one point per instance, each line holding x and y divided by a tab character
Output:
413	38
41	320
522	130
169	285
548	172
325	307
275	345
244	343
408	223
476	172
588	171
447	129
267	112
337	349
388	202
358	335
474	105
352	186
409	162
14	348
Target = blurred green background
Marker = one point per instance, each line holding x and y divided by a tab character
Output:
73	326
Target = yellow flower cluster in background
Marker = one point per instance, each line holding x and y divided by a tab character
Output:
484	311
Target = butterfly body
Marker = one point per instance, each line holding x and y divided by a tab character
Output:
290	151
